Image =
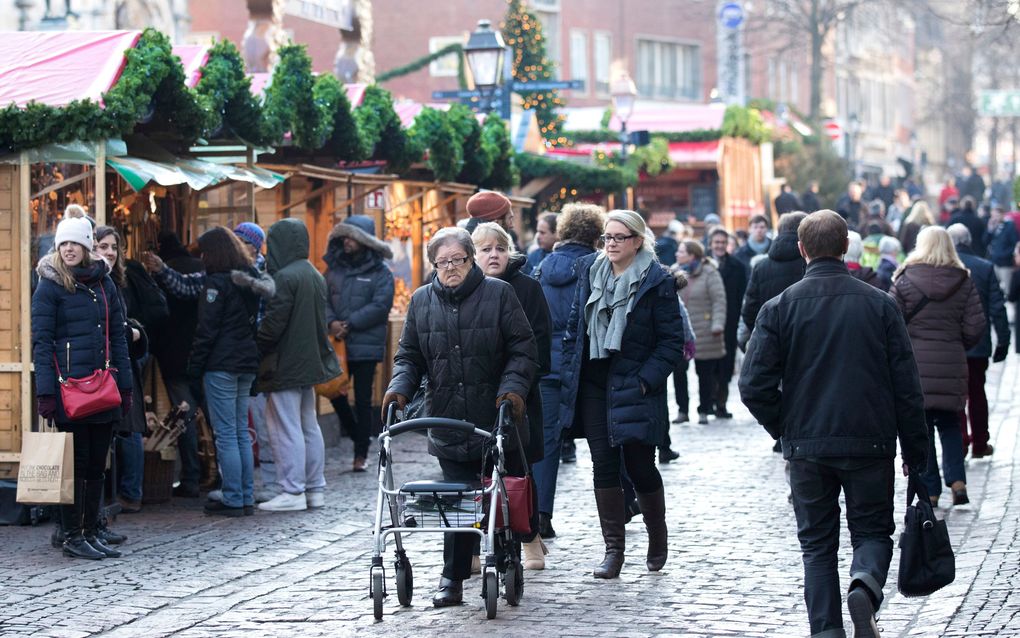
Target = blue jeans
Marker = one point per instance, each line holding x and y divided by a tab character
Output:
546	470
226	395
131	462
948	425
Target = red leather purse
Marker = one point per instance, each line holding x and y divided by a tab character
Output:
95	393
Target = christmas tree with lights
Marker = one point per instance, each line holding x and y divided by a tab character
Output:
522	31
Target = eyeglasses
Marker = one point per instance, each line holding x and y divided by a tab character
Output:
456	262
615	239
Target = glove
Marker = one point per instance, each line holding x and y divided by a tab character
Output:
689	350
47	404
392	397
516	405
1000	353
125	401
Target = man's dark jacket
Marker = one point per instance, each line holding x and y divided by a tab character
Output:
783	268
746	253
982	273
809	200
1000	243
787	202
734	276
807	342
969	218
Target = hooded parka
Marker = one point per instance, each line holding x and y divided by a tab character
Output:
360	288
72	326
473	343
292	343
942	332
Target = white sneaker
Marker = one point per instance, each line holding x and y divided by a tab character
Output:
315	499
285	502
264	494
215	495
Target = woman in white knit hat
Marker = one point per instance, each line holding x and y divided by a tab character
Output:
77	329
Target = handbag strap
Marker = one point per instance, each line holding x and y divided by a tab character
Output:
106	304
925	299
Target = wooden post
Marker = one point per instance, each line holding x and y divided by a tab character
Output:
24	226
249	161
100	212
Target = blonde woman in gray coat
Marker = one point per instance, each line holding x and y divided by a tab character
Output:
705	298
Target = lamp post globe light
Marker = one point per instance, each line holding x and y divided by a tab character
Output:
484	52
624	94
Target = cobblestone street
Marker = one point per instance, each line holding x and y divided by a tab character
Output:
734	567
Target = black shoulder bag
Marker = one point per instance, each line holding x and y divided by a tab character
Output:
927	563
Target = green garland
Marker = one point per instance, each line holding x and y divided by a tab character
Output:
605	136
339	132
290	103
225	91
496	136
152	81
432	130
586	179
455	48
382	133
747	123
479	152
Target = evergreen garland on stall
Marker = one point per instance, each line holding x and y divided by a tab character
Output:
479	152
290	102
225	91
382	132
496	136
339	134
522	31
580	177
432	130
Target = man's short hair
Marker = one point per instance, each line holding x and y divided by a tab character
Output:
790	222
823	234
960	235
718	230
758	219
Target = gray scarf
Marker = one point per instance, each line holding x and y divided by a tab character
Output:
610	301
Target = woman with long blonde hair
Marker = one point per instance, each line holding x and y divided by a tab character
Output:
945	318
920	217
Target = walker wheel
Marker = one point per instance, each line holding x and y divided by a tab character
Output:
405	582
514	583
377	593
491	594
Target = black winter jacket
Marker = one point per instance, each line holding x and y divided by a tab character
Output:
225	337
734	276
783	268
72	326
473	343
808	341
652	346
536	309
172	347
987	283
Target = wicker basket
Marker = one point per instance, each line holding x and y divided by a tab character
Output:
158	479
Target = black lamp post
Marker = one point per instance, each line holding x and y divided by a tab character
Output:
484	52
624	94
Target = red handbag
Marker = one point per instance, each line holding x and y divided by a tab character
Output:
95	393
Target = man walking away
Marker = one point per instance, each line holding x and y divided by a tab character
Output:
783	268
994	304
807	342
294	356
787	201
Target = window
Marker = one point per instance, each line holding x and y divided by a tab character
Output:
579	59
551	32
603	60
782	80
668	70
446	66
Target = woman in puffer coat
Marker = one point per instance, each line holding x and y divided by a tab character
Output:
705	299
468	335
77	329
624	338
498	258
225	357
944	318
579	230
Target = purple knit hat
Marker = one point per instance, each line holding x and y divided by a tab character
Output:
251	233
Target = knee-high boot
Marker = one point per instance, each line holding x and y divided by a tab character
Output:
92	520
72	517
611	516
653	507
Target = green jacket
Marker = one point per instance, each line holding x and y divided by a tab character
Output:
292	341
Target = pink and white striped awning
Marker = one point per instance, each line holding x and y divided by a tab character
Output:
683	154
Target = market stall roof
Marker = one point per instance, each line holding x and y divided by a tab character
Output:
57	67
138	172
193	58
649	116
682	154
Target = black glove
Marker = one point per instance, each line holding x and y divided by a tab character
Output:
47	405
1000	353
125	401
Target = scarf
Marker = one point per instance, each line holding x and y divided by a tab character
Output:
692	266
610	301
758	248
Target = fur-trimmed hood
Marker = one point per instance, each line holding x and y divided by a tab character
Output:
46	270
258	282
361	229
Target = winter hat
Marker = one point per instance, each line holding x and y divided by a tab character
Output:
488	206
252	234
711	219
76	229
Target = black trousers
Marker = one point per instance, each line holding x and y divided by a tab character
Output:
708	383
360	425
683	398
638	458
867	485
91	446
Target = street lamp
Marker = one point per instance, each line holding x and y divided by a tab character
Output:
624	94
853	130
484	52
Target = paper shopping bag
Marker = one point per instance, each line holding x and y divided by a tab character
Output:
46	472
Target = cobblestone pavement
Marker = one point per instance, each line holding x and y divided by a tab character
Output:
734	567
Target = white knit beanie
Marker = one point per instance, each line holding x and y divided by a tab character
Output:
76	229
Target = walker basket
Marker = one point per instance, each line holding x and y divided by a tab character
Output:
441	509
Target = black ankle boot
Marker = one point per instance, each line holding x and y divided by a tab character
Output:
75	545
611	516
92	514
653	508
545	528
451	592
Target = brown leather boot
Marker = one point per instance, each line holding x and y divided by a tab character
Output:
611	515
653	508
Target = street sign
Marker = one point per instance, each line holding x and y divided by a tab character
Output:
516	86
833	130
731	15
999	103
462	95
